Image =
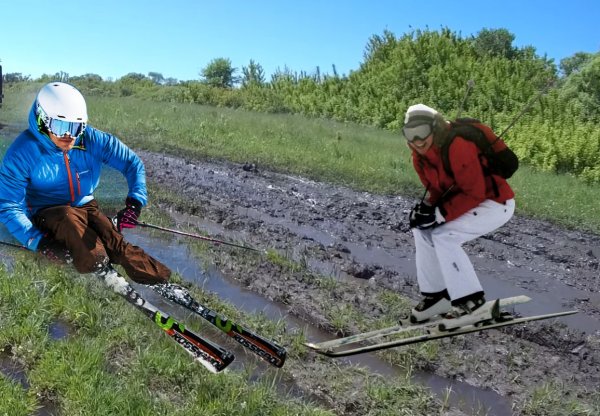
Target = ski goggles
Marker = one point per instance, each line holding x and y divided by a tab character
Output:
418	132
59	127
62	127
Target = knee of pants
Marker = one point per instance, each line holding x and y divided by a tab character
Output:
440	236
422	236
55	218
90	263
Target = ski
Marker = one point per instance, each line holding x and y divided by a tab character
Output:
435	333
212	356
404	326
264	348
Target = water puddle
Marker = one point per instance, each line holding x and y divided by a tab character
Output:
469	399
176	254
15	371
499	279
59	330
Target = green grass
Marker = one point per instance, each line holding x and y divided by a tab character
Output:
318	148
361	157
552	399
115	360
107	367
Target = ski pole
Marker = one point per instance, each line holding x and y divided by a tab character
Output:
6	243
200	237
526	108
470	85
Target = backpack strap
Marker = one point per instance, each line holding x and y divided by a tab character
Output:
465	128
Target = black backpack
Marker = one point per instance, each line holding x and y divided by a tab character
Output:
501	160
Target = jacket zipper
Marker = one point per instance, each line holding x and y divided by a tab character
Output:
71	189
78	183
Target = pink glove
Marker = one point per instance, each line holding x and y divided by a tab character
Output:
128	216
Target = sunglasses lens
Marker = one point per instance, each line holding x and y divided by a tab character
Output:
418	132
61	127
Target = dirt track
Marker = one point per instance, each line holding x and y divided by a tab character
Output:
363	238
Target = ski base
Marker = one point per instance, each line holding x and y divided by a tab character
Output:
212	356
431	331
266	349
405	325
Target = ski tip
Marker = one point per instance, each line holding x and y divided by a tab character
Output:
219	367
514	300
274	357
281	360
323	350
312	346
211	368
281	355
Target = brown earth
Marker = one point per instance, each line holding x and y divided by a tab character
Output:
355	236
363	239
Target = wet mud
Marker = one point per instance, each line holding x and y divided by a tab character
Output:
14	370
364	239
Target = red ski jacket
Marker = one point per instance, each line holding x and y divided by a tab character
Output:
469	187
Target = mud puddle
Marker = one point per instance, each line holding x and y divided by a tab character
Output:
174	252
16	371
363	238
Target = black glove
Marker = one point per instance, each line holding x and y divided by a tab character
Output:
128	216
422	216
47	247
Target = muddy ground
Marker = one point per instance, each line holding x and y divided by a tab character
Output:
361	237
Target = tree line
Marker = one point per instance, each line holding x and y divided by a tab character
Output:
558	134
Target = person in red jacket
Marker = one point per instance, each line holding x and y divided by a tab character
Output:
459	208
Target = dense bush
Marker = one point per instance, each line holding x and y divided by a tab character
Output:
559	133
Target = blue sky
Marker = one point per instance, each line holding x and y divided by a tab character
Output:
178	38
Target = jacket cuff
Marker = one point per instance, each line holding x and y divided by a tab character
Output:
32	243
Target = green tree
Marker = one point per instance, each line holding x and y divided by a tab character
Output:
253	74
156	77
582	89
494	42
133	83
16	77
89	83
219	73
133	77
574	63
58	76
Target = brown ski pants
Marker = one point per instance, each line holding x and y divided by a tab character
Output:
91	239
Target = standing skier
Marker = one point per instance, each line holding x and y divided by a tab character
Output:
47	180
461	206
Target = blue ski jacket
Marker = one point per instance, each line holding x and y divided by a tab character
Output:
36	174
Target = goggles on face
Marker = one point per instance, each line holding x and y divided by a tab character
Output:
60	127
418	132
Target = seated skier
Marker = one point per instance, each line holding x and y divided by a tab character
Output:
47	180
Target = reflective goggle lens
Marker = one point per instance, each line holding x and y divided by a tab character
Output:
61	127
418	132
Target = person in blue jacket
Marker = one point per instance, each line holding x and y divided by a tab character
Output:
47	181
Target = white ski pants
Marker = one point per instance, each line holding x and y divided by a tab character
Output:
442	262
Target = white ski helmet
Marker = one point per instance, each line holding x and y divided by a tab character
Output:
61	108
